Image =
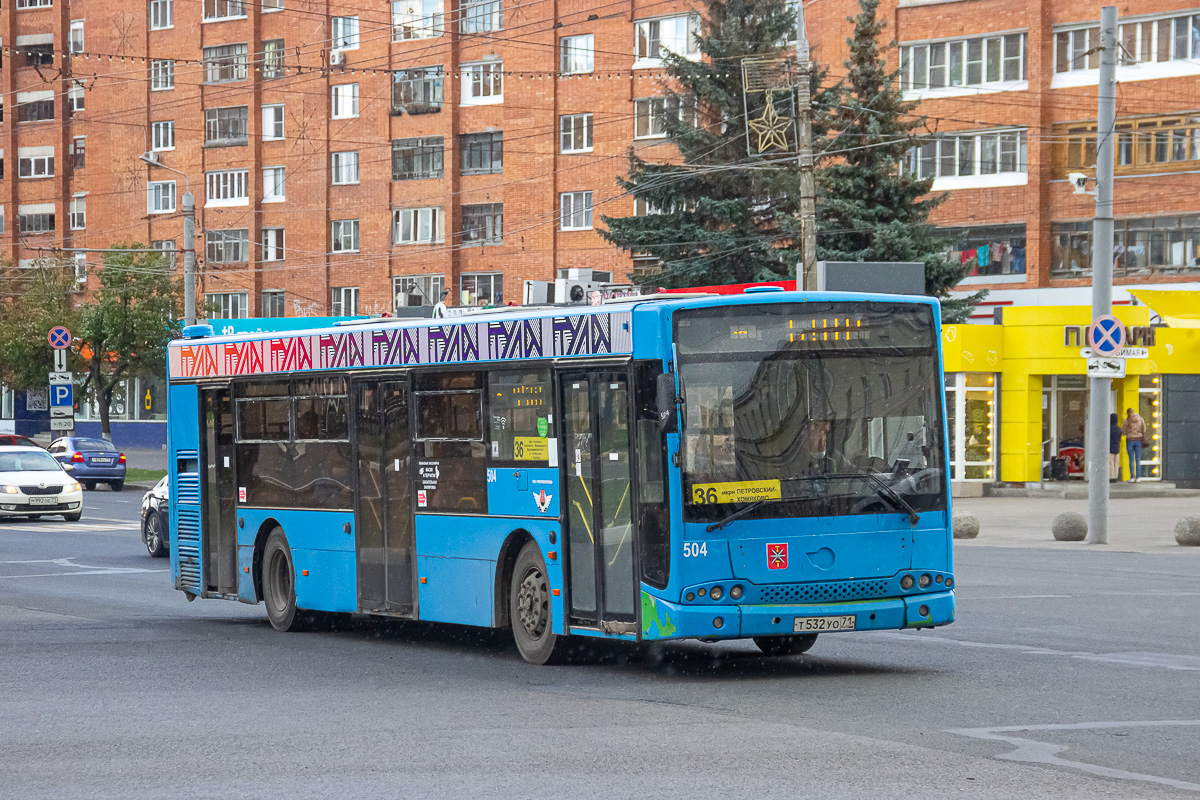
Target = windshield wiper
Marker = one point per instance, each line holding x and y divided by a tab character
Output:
885	491
741	512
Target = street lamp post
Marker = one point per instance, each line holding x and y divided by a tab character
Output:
189	238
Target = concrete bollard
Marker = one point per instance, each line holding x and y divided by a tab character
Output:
1187	531
966	525
1070	527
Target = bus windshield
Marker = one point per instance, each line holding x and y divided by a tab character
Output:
810	409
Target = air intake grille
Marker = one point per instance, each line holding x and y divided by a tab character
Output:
828	592
37	490
187	489
188	548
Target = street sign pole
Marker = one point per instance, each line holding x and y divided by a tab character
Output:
1102	273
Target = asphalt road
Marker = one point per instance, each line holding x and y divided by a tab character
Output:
1068	675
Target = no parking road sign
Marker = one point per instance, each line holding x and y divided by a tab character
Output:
1106	337
59	337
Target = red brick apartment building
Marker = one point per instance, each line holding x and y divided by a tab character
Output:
353	156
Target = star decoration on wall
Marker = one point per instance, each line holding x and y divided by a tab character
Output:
770	127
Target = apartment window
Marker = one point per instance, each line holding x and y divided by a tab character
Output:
1150	246
75	99
160	197
980	61
345	33
35	110
78	218
344	301
272	304
274	185
997	249
483	224
34	3
345	101
345	236
417	290
227	187
678	35
79	152
483	83
223	9
226	247
576	133
1146	144
482	153
344	167
417	91
162	74
35	166
418	225
416	19
416	159
228	305
272	5
481	16
645	208
225	63
650	115
481	288
272	122
75	36
272	59
272	246
166	246
576	211
38	55
225	127
970	155
1077	50
162	14
42	222
162	135
578	54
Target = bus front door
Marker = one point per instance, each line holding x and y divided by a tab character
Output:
598	500
220	530
384	516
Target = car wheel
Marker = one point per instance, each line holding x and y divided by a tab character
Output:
529	609
117	485
73	517
785	645
89	485
152	535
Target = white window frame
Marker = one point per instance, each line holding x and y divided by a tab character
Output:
223	240
75	99
234	120
232	305
917	73
344	101
233	9
269	6
156	192
483	83
166	246
577	54
343	167
162	135
274	244
77	220
428	289
575	211
344	33
343	301
973	147
648	39
161	14
23	4
272	294
272	122
410	23
344	236
226	187
409	225
480	17
162	74
569	126
41	166
75	36
654	111
274	184
220	58
1144	60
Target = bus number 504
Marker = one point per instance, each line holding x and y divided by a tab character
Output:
694	549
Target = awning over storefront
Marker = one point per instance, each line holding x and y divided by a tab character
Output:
1179	309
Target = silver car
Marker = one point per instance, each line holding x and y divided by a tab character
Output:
33	484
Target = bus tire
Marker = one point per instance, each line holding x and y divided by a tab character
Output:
785	645
529	609
279	584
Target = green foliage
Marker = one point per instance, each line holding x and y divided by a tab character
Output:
868	207
33	300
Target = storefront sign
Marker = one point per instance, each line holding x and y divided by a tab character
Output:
1128	352
1137	335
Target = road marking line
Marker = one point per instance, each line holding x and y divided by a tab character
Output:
1035	752
1131	659
80	569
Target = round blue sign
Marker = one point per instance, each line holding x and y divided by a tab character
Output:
59	337
1106	337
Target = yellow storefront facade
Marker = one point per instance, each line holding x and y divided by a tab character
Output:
1017	391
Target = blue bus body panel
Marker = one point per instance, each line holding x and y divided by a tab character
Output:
523	492
183	468
320	547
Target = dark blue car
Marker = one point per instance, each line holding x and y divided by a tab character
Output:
92	461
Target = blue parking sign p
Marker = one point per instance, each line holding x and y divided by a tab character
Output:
62	394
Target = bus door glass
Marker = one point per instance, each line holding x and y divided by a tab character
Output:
599	498
384	513
220	541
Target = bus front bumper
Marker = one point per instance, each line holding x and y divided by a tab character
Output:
733	621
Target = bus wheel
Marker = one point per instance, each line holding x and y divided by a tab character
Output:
279	584
529	609
785	645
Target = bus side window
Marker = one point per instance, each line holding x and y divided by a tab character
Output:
522	417
450	449
654	518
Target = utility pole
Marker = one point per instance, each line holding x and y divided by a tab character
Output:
189	258
1102	275
806	271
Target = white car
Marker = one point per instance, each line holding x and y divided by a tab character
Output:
33	484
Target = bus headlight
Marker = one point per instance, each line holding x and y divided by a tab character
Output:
736	593
924	581
907	582
716	593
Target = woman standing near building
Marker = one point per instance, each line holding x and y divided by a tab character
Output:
1135	432
1114	449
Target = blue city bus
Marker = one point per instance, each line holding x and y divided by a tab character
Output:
765	466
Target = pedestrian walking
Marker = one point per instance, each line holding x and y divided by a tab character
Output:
1114	448
1134	428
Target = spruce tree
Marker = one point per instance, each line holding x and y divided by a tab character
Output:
869	207
724	215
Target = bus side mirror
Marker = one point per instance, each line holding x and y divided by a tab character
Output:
665	404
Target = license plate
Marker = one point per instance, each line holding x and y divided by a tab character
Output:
807	624
43	501
101	460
